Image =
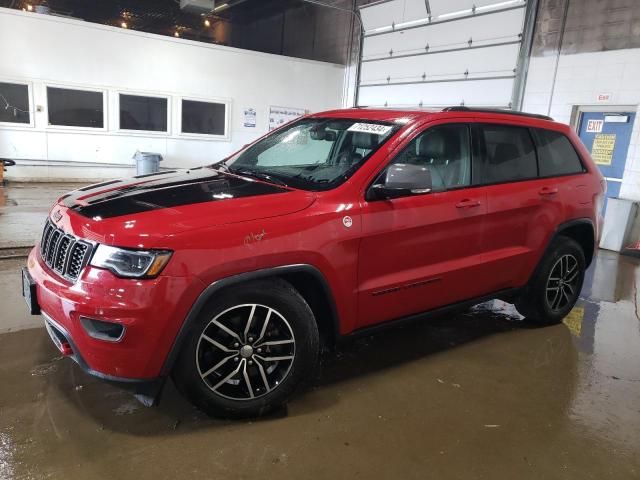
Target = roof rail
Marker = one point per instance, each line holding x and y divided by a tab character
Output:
496	110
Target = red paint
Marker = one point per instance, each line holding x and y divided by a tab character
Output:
398	257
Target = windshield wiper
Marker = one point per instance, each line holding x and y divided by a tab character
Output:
254	174
221	166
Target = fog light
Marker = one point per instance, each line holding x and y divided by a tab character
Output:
101	330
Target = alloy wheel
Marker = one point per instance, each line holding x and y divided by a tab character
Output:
562	285
245	352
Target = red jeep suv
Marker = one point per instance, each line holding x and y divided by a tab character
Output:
230	277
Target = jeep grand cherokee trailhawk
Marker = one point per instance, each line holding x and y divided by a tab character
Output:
230	277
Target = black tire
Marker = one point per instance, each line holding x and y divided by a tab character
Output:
540	302
277	304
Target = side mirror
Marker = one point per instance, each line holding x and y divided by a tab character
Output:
401	180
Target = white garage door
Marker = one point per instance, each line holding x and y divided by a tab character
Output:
437	53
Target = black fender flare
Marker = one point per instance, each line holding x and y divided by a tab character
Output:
572	223
218	285
560	229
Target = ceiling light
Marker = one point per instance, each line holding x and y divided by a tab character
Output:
220	7
381	29
413	22
456	14
124	25
497	5
207	23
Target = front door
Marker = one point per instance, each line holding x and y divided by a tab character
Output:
422	251
607	137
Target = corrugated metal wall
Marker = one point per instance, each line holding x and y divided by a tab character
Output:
591	26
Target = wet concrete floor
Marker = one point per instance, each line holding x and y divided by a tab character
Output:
483	394
23	209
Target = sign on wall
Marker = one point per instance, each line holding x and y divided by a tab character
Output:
595	126
603	146
278	116
249	117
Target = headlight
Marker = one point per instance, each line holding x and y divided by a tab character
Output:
130	263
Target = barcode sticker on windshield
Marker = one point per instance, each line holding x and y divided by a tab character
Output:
370	128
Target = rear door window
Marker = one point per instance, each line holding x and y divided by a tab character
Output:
509	154
556	155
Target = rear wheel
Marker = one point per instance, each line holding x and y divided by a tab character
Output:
555	288
249	351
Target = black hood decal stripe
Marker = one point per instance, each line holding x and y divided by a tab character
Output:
185	188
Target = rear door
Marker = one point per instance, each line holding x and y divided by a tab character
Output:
422	251
560	164
521	207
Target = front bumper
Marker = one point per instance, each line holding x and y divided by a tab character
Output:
146	391
151	311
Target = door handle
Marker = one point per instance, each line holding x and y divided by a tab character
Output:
546	191
467	203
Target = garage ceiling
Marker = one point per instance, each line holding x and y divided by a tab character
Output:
287	27
157	16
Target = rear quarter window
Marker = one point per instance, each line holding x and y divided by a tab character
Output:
556	155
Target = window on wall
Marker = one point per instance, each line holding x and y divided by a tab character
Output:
143	113
75	108
14	103
556	154
509	154
203	118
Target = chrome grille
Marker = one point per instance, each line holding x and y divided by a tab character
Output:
63	253
76	262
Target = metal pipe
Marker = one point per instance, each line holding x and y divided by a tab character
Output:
36	162
356	14
522	68
560	42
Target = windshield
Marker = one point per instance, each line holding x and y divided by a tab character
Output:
312	153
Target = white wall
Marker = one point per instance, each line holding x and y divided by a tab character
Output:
46	50
580	79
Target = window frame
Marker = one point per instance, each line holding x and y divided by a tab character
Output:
105	108
205	136
534	135
32	111
482	152
145	133
473	153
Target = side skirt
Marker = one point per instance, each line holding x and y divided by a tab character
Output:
506	295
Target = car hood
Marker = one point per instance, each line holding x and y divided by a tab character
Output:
138	212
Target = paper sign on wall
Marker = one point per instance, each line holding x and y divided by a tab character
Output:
250	117
278	116
594	126
603	146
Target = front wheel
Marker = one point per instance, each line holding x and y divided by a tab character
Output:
556	285
249	351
